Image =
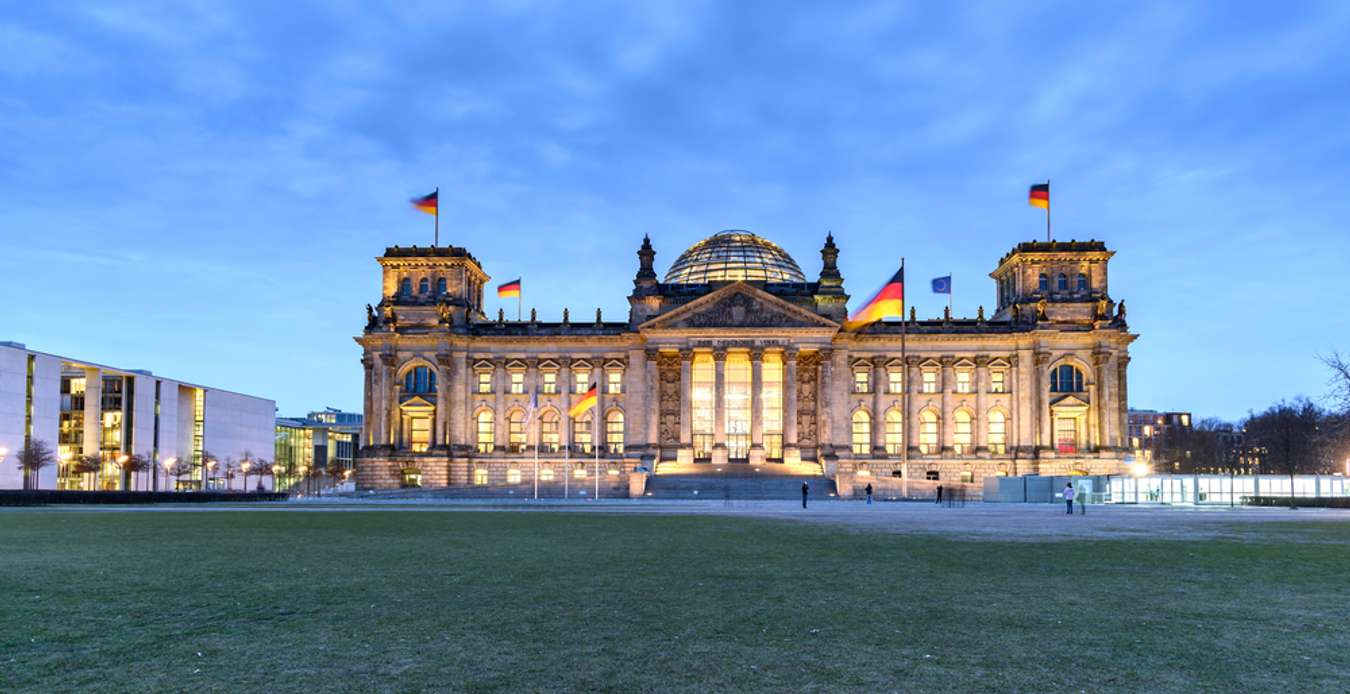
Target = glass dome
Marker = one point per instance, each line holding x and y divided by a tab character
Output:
733	255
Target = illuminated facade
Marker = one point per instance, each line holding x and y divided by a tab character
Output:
324	441
97	418
736	358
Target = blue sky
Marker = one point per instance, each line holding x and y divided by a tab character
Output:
201	189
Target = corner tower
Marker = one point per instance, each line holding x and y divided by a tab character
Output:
1058	281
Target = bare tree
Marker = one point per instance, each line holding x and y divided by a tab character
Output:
133	464
35	455
264	469
1288	438
1339	382
178	469
88	465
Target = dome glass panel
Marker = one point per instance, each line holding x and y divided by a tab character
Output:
734	255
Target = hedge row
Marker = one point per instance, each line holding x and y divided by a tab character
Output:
40	497
1301	501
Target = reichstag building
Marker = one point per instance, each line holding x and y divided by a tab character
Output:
736	358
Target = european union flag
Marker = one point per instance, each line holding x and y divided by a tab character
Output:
942	285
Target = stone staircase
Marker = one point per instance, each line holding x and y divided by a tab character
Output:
737	481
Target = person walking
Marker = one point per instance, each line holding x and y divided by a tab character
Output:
1068	496
869	493
805	490
939	499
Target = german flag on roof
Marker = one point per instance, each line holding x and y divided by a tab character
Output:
509	289
429	203
889	302
586	402
1040	196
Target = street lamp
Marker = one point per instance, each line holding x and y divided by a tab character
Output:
168	470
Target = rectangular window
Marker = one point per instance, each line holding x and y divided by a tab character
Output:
517	382
484	433
581	380
967	477
862	381
963	381
931	475
862	436
582	433
998	437
550	382
1066	435
701	402
895	381
614	381
614	435
997	381
928	436
962	434
480	476
549	436
513	476
771	398
515	433
484	381
421	434
930	381
736	404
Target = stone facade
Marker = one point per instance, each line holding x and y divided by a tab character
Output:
742	371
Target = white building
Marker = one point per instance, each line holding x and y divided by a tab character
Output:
84	409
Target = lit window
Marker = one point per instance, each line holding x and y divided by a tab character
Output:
614	381
967	477
930	381
998	432
515	431
1066	378
1082	282
614	432
862	433
862	381
963	380
771	398
420	429
581	432
895	432
517	382
480	476
412	478
998	382
962	432
895	381
928	432
546	474
513	476
550	439
579	471
581	379
484	438
484	381
1066	434
550	382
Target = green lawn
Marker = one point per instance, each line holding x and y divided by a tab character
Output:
388	600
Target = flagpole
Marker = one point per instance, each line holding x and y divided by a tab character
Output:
904	394
437	240
567	455
595	440
949	292
538	434
1047	210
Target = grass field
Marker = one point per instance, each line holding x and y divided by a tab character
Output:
388	600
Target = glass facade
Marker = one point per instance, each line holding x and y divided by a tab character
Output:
702	378
771	399
733	255
736	403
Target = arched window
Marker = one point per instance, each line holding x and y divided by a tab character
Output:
1062	282
895	432
1044	283
581	432
515	431
1082	282
962	432
405	287
1066	378
424	286
485	433
550	438
862	433
928	432
614	432
419	380
998	432
440	287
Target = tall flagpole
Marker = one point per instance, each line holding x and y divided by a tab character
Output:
949	292
904	384
595	441
1047	210
567	455
437	240
538	434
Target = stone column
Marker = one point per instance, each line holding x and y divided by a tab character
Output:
651	405
390	411
499	384
445	379
685	454
824	399
531	386
1122	398
368	412
1104	375
947	429
911	430
565	388
598	412
791	452
1090	422
879	383
465	428
756	406
980	433
719	452
93	413
1041	388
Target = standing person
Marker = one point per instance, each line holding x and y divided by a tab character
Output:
1068	496
939	499
869	493
805	490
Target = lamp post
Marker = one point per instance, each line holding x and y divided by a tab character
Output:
245	467
65	460
210	468
168	471
121	466
301	470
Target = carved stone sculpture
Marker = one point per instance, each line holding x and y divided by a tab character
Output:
808	382
668	377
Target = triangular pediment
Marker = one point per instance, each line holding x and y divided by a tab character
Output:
1069	402
738	305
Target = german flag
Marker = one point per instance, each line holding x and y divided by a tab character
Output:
510	289
889	302
586	402
1040	196
429	204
